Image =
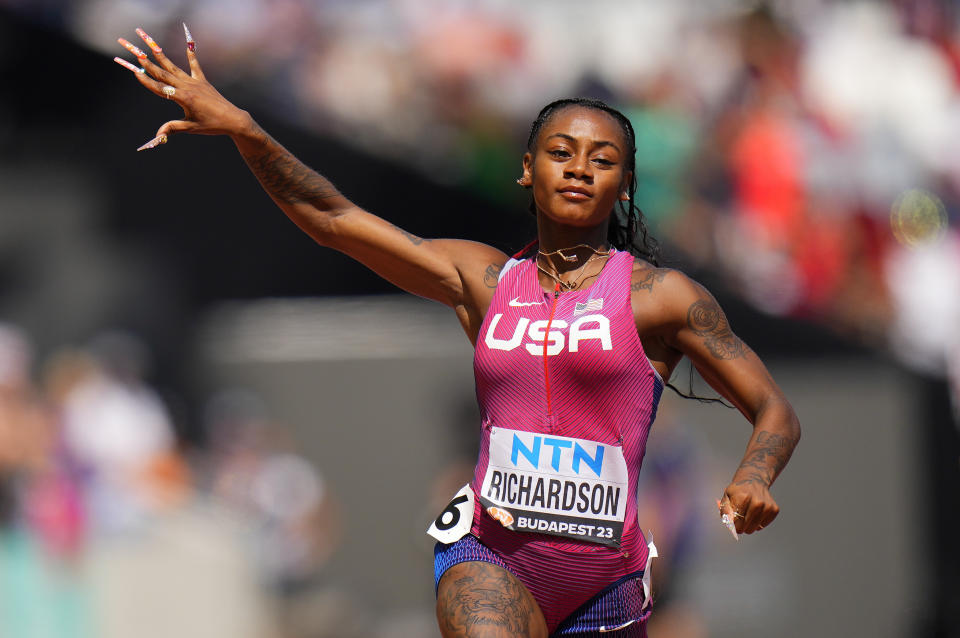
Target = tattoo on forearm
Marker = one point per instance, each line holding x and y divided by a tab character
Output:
753	478
288	180
491	276
654	275
767	447
707	320
486	599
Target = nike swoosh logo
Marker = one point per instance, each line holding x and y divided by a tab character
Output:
516	303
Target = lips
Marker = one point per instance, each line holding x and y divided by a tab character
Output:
575	193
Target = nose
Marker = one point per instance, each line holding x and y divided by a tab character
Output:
579	168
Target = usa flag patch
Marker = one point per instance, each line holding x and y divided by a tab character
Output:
593	305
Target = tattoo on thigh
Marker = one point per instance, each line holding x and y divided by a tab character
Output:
707	320
486	601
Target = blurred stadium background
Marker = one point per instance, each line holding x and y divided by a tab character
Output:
210	427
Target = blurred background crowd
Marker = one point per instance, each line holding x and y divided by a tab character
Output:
105	516
801	156
775	141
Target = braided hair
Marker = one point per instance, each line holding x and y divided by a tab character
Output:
627	230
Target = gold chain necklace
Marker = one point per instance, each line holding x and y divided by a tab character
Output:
568	258
575	283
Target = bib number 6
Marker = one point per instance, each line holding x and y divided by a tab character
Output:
456	518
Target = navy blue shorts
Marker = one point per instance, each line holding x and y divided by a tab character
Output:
614	612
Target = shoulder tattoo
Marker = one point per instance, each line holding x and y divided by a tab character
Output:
706	319
651	277
491	276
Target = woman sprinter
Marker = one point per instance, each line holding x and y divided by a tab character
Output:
572	346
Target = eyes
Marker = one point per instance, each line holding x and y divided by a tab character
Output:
562	154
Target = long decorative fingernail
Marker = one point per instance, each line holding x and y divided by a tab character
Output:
150	41
124	63
132	49
191	44
728	523
155	142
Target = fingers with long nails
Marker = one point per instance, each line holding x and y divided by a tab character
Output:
155	142
727	515
131	48
127	65
191	43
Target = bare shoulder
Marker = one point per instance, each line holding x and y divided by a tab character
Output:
667	300
663	282
646	277
479	264
691	319
479	267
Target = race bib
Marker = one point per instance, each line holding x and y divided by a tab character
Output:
456	519
556	485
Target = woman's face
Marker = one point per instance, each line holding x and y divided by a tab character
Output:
578	167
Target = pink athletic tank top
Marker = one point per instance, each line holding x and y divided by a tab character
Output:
567	396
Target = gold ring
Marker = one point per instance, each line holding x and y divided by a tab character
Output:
169	91
736	513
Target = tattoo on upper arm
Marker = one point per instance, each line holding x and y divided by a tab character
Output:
491	276
654	275
706	319
416	241
767	446
286	178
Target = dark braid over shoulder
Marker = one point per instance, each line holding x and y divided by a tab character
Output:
627	230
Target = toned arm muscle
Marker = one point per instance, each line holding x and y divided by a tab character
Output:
451	272
454	272
694	324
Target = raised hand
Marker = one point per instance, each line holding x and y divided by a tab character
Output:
452	272
205	111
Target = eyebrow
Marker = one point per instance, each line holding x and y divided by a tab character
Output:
573	139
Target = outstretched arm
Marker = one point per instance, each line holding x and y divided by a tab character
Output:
694	324
453	272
